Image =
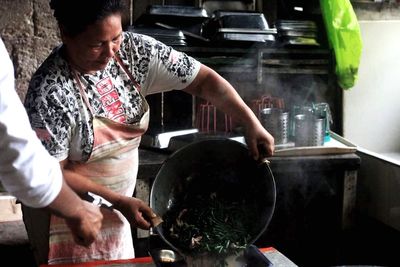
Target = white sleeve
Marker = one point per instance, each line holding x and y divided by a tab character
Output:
176	73
27	171
168	69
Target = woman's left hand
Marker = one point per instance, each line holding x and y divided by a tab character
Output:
259	141
212	87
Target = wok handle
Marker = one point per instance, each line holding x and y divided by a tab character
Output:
266	161
263	155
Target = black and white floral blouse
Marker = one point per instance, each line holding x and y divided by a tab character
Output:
58	113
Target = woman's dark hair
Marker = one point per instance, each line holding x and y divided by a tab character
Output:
75	15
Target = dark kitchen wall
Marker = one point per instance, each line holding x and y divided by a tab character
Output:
297	77
299	84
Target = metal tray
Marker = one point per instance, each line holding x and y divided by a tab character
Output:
159	32
248	31
173	10
245	37
242	20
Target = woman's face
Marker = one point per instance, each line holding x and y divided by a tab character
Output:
91	50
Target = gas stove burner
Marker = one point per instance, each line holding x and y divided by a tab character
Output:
166	257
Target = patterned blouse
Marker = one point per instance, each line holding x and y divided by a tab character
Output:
57	111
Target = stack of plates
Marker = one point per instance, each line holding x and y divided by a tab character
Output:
297	32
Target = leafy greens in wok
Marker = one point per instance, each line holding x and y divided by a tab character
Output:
212	213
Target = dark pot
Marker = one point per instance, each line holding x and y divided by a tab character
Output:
222	166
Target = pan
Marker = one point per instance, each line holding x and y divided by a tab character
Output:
224	169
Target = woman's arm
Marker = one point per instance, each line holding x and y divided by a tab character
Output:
137	212
211	86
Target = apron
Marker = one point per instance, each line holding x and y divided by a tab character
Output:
113	163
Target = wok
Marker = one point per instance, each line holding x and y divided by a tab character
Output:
222	166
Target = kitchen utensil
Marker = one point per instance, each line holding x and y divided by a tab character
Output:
323	110
188	19
238	26
297	32
309	130
186	33
276	121
265	101
177	11
296	110
225	168
97	200
208	118
172	37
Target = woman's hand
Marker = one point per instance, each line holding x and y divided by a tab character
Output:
259	141
136	211
214	88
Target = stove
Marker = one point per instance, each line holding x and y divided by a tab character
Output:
174	140
164	256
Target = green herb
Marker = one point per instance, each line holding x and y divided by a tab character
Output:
209	222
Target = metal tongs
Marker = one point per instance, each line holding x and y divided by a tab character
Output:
97	200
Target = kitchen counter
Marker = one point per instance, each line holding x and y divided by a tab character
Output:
150	160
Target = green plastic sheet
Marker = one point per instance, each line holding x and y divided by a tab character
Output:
344	38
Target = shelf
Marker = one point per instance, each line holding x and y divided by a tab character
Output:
262	60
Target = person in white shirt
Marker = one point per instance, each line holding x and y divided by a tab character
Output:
28	172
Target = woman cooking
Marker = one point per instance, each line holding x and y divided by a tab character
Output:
86	103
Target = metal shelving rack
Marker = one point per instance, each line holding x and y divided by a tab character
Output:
260	61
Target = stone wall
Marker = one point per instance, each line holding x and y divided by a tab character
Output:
30	32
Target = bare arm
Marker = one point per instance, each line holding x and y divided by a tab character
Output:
138	213
211	86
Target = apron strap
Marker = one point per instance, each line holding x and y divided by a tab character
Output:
83	93
137	85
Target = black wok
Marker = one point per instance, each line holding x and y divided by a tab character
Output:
225	167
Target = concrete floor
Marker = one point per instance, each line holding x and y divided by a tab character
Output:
14	244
